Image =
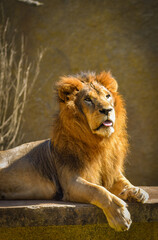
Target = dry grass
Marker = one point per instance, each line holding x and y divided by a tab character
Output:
17	79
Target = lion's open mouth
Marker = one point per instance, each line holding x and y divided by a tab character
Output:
107	123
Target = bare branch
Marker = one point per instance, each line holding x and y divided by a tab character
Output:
16	83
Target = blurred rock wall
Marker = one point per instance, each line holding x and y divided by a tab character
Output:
120	36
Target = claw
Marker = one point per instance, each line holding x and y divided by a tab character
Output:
135	191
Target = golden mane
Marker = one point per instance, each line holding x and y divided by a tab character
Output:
72	137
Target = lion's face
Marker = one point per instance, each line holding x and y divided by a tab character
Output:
97	104
91	98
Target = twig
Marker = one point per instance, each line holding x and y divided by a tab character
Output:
32	2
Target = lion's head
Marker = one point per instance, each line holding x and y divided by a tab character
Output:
90	100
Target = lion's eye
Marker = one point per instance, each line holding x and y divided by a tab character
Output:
108	96
88	100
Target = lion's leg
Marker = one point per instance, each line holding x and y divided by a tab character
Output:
126	191
79	190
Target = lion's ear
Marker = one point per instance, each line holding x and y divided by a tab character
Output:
67	86
108	81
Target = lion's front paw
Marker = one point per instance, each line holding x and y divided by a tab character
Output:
134	193
118	216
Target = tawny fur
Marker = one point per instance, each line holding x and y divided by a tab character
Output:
85	159
72	135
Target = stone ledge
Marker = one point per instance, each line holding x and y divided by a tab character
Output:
33	213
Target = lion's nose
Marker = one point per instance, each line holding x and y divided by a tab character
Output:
105	111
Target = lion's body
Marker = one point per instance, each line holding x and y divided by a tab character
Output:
30	172
85	158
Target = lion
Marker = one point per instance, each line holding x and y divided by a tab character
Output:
84	159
